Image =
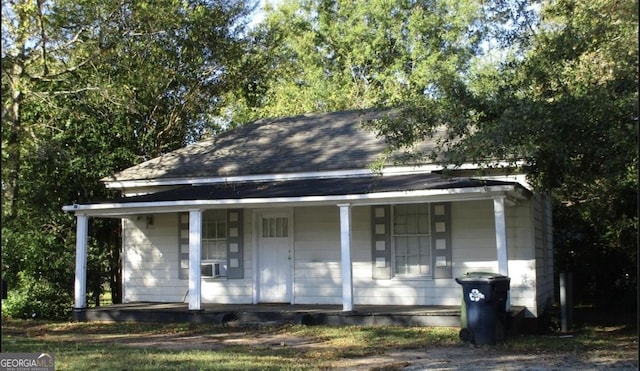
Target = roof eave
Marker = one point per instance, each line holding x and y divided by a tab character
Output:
391	170
514	193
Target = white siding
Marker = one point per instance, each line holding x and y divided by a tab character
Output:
318	277
317	271
474	246
543	230
234	291
473	237
522	263
150	264
150	260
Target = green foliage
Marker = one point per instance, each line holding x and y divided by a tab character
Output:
35	298
39	253
595	239
37	263
333	55
90	88
550	87
568	108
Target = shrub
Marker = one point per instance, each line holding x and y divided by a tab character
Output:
38	298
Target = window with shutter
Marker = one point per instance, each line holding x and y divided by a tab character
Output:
411	240
222	242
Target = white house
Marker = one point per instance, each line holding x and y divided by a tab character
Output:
288	210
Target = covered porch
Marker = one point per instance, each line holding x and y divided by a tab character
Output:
337	192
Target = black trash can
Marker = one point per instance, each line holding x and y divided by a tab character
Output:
484	312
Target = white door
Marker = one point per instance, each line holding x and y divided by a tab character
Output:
275	257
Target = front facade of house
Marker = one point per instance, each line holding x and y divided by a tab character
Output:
298	218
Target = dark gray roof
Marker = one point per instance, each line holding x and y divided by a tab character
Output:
313	187
305	143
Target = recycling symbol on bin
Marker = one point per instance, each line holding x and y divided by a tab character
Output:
476	295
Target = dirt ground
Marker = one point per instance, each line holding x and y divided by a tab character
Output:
461	356
458	357
486	358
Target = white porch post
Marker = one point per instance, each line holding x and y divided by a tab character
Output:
195	254
82	231
345	248
501	235
501	242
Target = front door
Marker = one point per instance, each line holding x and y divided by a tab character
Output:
275	257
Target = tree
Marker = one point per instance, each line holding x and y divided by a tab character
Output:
568	107
90	88
550	87
318	55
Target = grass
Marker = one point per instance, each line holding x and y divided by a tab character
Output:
107	346
127	346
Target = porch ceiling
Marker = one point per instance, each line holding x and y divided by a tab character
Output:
356	190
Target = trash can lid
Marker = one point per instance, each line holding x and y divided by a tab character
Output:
481	277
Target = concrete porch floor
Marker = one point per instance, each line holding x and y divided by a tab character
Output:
398	315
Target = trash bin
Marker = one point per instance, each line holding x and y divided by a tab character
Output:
483	314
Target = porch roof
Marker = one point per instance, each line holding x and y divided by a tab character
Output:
357	190
313	187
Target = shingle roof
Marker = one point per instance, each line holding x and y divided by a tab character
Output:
306	143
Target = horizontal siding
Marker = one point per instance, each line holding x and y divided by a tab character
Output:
313	272
523	265
150	265
151	259
318	274
227	291
234	291
409	292
519	234
543	230
317	269
473	240
150	262
473	237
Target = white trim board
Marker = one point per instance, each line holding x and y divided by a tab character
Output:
512	192
397	170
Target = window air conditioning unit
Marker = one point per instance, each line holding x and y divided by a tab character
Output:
215	269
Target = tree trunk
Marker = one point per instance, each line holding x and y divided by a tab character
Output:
115	263
14	121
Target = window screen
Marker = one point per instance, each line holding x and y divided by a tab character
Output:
214	235
275	227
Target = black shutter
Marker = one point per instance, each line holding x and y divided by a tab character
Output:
381	242
235	248
441	240
183	246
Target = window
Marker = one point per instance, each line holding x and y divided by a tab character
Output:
214	235
275	227
221	244
411	239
